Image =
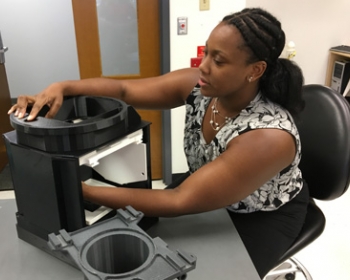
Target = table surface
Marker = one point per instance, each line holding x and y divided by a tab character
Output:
210	236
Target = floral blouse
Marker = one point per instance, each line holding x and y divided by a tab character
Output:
260	113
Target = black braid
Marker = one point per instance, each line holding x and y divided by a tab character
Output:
264	40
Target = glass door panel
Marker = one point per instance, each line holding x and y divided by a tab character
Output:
118	37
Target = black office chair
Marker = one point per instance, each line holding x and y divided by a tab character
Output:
324	128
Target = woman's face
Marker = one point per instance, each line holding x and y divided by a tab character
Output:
224	70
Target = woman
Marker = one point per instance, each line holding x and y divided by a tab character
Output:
241	142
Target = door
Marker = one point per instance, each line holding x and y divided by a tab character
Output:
90	17
5	103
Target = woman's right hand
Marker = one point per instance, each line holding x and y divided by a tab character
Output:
52	96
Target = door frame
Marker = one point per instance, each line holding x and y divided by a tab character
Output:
5	100
90	65
165	68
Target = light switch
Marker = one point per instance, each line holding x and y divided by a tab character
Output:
204	5
182	26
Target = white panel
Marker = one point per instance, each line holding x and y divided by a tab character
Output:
127	165
92	159
123	161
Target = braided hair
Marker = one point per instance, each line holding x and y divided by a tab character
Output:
264	40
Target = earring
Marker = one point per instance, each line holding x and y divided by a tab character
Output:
250	79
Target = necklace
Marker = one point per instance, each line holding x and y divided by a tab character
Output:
214	113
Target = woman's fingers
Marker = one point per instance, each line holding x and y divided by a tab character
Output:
20	108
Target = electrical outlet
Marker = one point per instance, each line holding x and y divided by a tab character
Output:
204	5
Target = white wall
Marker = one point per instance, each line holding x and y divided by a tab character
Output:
315	26
41	41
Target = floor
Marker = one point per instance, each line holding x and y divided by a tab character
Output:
329	256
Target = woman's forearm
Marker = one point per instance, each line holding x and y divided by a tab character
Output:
92	87
150	202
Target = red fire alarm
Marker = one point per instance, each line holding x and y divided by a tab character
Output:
195	62
200	51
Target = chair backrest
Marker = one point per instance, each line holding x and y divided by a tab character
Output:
324	128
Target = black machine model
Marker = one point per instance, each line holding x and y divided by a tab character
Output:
86	141
101	141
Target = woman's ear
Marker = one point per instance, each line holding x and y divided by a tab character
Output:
258	70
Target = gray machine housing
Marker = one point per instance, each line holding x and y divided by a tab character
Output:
118	249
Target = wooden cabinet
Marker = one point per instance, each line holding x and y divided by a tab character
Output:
333	56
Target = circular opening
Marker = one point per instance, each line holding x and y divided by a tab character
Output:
119	253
